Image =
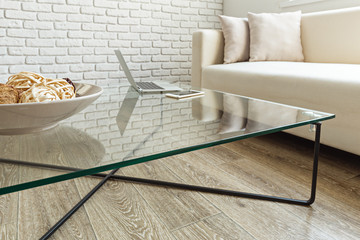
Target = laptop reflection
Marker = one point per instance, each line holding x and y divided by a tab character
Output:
126	109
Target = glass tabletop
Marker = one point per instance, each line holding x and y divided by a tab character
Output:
123	128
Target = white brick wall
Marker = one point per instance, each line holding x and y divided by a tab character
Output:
76	38
156	125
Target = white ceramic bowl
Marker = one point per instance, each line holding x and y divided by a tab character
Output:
25	118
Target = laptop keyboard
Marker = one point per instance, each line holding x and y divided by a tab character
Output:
148	85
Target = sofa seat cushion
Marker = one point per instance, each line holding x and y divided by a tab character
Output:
286	80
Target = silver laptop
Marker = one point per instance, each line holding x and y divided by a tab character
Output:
144	87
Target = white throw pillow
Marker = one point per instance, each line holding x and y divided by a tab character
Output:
275	37
237	39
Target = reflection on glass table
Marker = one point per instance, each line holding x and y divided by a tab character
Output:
123	128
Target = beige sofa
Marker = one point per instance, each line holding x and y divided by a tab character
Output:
328	80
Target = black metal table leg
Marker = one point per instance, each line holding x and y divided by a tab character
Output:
201	188
244	194
77	206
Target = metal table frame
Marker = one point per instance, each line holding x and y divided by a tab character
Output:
112	175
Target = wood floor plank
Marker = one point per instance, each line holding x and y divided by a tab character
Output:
333	182
331	197
334	162
217	155
8	231
40	208
117	211
9	209
275	221
61	146
299	167
9	149
41	148
9	175
353	184
9	146
8	203
176	208
214	227
339	223
79	149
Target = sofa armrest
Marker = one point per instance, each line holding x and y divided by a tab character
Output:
207	49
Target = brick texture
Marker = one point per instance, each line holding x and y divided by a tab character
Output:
156	125
76	39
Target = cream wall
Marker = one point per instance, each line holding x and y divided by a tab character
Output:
239	8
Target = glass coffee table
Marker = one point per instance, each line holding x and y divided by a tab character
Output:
124	128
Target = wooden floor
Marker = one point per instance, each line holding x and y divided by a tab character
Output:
275	164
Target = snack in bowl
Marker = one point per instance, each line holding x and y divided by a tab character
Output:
8	94
33	87
24	80
38	93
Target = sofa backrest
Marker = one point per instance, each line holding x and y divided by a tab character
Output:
331	36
